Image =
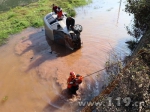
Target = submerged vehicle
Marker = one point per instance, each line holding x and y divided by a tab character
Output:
57	31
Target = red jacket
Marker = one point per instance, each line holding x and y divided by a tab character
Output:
74	81
78	80
59	14
70	81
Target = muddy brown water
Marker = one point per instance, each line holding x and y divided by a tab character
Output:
32	79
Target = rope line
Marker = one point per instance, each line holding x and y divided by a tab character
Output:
101	69
111	65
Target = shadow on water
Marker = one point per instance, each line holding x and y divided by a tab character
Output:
43	49
55	104
59	49
60	101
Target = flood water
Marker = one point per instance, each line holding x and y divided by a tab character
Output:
32	79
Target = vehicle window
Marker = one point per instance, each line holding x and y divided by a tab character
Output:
54	26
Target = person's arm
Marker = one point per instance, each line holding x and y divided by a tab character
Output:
73	22
67	23
79	80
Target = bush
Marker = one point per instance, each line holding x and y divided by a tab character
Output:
140	9
132	44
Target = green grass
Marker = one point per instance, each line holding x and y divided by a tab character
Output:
19	18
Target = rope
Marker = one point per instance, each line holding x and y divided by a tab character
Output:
112	64
101	69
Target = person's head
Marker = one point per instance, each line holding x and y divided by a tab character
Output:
69	17
58	9
78	75
72	74
53	5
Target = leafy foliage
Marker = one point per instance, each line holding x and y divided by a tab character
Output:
140	9
132	44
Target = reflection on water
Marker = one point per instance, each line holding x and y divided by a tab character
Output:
8	4
34	78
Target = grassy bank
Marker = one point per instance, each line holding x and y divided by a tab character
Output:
19	18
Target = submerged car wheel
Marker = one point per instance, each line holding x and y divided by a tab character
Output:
78	27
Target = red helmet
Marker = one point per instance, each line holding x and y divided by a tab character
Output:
72	74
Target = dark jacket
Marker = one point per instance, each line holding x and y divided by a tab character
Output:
70	22
55	9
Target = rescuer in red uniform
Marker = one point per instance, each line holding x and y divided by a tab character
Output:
73	82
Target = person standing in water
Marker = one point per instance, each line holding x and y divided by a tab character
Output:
73	82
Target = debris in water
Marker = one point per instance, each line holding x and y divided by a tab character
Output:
5	99
23	38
